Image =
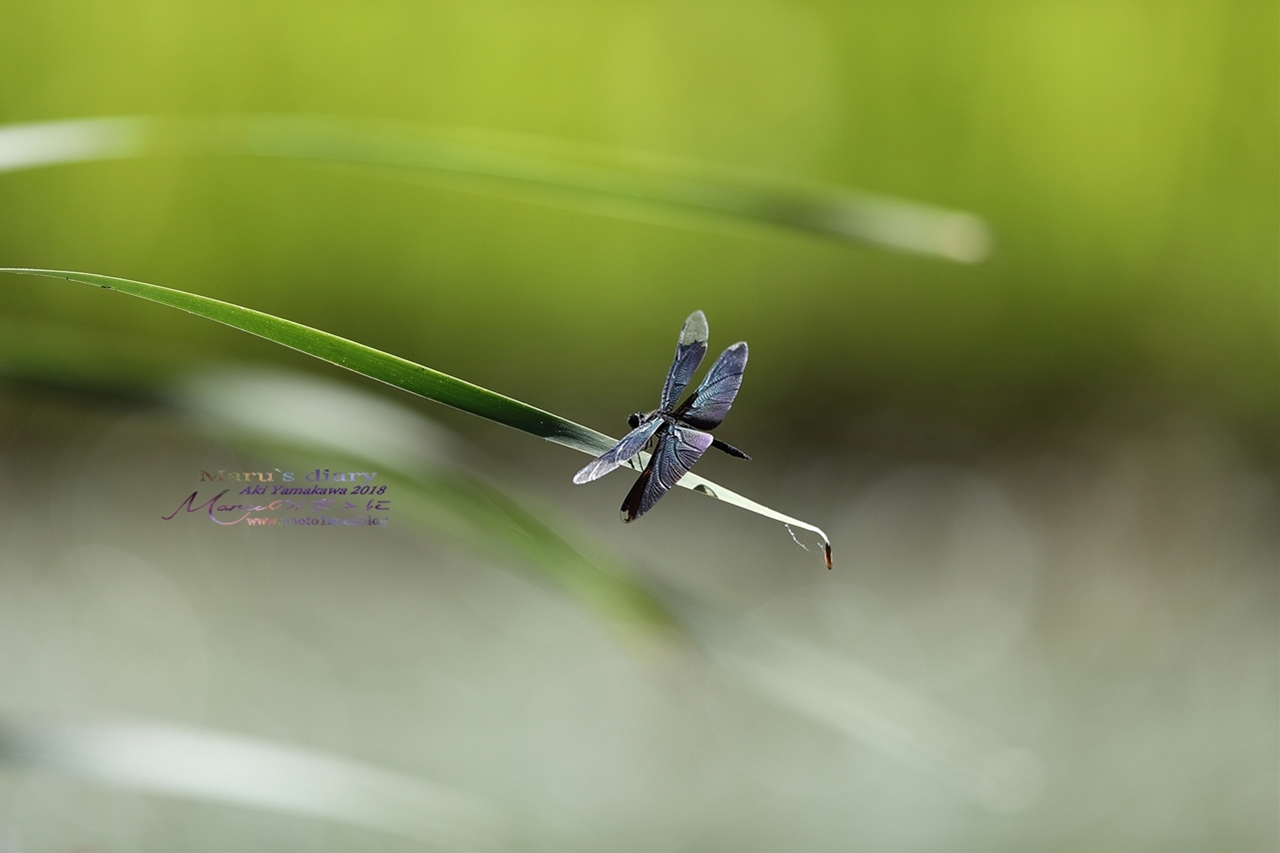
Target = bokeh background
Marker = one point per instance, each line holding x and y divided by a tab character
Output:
1050	476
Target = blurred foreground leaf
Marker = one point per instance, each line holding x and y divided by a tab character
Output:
212	766
411	377
417	460
609	180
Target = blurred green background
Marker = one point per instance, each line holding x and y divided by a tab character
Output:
1050	476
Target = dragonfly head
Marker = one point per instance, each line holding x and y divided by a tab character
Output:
634	419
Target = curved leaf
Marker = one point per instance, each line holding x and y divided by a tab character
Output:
406	375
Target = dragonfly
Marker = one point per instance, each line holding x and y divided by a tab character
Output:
680	433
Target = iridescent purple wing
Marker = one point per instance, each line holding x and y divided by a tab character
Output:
631	444
678	448
709	405
691	348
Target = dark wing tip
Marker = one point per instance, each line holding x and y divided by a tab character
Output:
826	554
631	510
631	504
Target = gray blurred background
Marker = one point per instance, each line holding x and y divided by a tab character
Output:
1050	477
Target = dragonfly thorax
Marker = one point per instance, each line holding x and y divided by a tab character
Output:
636	418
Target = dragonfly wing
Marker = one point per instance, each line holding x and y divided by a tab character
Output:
709	405
631	444
678	448
691	348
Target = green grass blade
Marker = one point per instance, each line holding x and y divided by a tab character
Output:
407	376
608	180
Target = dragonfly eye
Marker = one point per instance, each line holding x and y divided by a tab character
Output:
633	419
